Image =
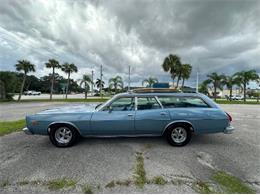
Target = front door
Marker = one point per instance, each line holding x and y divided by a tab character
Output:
115	119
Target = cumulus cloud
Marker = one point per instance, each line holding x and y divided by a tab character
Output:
212	35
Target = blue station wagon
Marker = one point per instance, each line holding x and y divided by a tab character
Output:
176	116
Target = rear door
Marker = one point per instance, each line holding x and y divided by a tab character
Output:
150	117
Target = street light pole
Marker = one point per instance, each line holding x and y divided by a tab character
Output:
92	84
101	74
129	72
197	82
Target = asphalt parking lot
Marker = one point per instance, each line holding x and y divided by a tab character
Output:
27	163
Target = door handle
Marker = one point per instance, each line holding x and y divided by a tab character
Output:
130	115
163	113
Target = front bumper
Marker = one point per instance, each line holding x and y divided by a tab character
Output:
27	131
229	129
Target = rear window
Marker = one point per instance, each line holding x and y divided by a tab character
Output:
147	103
182	102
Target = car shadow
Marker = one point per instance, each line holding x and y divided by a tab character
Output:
209	139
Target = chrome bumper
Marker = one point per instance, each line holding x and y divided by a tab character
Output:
27	131
229	129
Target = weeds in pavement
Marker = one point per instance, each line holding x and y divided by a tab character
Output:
111	184
58	184
87	189
4	183
158	180
139	174
231	184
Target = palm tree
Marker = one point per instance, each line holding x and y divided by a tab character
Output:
86	80
185	72
150	81
100	85
244	77
171	64
217	81
203	87
68	69
52	63
230	81
26	67
116	82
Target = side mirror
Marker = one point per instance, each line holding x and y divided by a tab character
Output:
110	108
98	106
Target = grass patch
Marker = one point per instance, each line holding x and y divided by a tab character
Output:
158	180
111	184
139	174
7	127
203	188
22	183
237	102
126	182
231	184
148	146
60	100
4	183
58	184
87	189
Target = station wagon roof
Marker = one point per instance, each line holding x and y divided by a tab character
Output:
179	94
131	94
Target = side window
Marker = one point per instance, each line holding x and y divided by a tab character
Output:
181	102
122	104
147	103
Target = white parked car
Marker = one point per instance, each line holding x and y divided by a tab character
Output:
237	97
32	93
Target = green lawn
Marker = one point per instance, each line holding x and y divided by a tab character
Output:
224	101
11	126
60	100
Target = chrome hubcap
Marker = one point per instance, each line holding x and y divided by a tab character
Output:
63	135
179	135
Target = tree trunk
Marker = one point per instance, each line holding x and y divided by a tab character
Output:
244	92
68	83
52	83
178	80
21	91
230	93
182	83
215	92
86	93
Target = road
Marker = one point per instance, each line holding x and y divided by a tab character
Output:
55	96
97	162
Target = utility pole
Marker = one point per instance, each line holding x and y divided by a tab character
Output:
197	83
92	83
101	74
129	72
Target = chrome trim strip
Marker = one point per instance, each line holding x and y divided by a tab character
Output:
27	131
229	129
157	99
64	122
178	121
114	136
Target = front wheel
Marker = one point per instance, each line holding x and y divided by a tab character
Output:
179	135
63	136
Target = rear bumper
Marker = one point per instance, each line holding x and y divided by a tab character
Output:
27	131
229	129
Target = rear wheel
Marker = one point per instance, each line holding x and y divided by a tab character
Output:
63	136
178	135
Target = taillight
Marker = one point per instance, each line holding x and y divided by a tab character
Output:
229	117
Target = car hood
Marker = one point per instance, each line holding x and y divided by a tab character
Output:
75	108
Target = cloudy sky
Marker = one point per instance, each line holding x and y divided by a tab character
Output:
211	35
